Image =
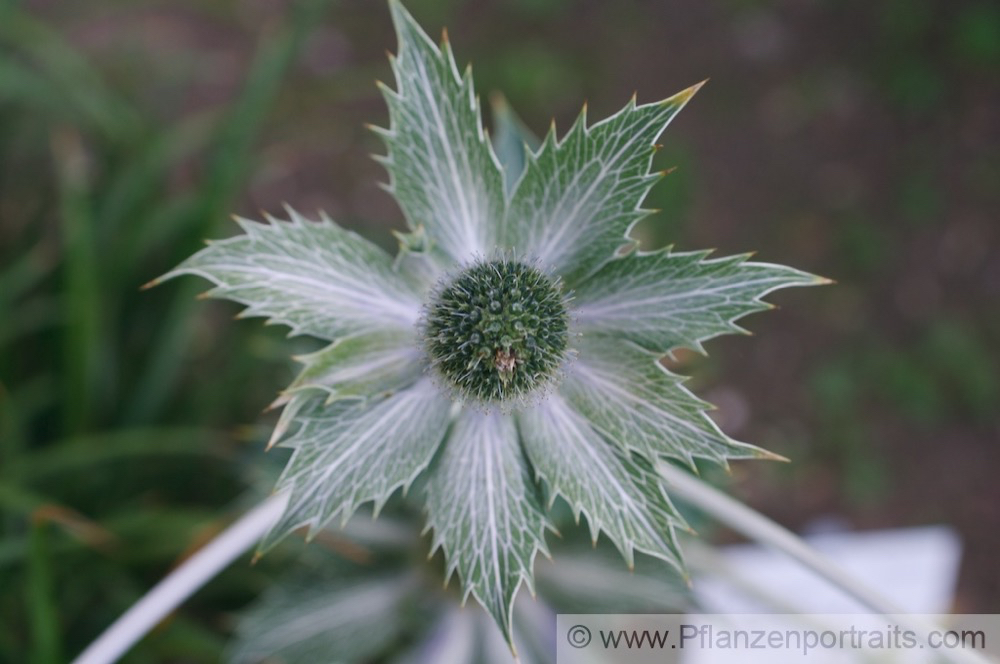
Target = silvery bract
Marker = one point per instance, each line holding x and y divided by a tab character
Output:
440	363
374	604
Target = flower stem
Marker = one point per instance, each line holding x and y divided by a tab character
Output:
759	528
762	530
183	582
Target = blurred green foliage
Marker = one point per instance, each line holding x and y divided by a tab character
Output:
116	451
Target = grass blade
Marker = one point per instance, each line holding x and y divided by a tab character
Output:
81	289
43	614
71	76
228	170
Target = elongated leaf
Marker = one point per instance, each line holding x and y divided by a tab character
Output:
43	609
360	366
533	635
594	581
442	170
512	141
451	639
618	495
485	511
470	636
350	452
579	196
316	278
332	621
663	300
418	261
625	393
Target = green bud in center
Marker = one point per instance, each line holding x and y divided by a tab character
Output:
498	331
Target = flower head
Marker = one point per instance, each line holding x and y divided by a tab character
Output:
510	353
497	332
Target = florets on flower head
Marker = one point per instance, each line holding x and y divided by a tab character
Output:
497	332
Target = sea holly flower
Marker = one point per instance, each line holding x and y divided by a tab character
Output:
510	353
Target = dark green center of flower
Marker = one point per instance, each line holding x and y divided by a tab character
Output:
498	331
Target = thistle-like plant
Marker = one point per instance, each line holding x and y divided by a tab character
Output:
510	353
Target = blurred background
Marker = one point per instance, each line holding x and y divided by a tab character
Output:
854	139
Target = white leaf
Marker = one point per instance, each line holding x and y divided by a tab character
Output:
594	581
351	452
470	636
360	366
485	512
324	620
578	197
512	141
451	639
618	495
626	394
533	635
663	300
442	169
316	278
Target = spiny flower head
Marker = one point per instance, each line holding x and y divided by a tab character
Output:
497	332
421	345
